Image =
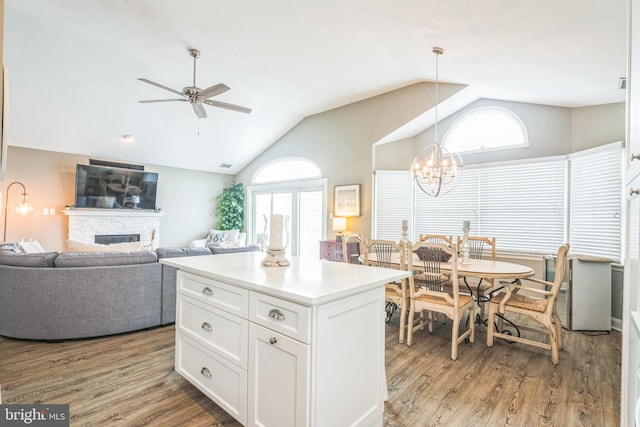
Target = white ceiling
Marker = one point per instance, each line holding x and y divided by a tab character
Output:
74	64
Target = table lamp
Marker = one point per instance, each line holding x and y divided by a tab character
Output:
340	226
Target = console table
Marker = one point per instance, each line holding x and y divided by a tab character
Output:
331	250
285	346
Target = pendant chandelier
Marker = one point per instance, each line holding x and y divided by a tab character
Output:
435	170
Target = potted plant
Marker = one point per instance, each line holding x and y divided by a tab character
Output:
230	209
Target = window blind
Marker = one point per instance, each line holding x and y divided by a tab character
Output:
596	194
530	206
444	214
522	205
393	203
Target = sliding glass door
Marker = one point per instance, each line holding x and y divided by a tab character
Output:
304	202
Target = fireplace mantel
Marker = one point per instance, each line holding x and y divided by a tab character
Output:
85	224
111	212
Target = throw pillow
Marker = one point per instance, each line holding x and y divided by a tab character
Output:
216	237
31	247
232	235
75	246
7	248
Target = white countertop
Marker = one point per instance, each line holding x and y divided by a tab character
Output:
307	282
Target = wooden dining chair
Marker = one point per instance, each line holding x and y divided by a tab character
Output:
351	244
396	292
480	247
437	238
542	308
431	291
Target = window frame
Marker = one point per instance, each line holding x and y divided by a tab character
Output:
455	213
504	111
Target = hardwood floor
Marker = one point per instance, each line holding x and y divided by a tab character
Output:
128	380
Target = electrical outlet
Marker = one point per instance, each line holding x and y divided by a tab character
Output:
52	211
45	211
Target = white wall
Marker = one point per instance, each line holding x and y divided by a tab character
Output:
597	125
188	198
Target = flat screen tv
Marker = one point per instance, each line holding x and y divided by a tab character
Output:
115	188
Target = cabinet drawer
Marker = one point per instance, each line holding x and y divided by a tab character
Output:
225	297
222	381
288	318
223	332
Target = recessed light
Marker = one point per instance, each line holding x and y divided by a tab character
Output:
127	138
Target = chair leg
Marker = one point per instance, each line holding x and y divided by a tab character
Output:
472	323
403	319
492	312
454	336
412	313
553	340
558	323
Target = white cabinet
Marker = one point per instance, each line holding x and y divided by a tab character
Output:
630	391
275	362
278	379
212	340
630	340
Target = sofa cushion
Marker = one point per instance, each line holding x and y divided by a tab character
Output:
247	248
171	252
43	259
101	259
75	246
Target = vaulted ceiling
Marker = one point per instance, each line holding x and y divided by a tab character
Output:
74	66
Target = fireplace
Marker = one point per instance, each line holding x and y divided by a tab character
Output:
108	239
88	225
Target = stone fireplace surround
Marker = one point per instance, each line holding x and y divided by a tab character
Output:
85	224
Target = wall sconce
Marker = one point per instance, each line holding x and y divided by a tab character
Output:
23	209
339	225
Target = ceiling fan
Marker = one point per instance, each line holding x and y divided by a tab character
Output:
196	96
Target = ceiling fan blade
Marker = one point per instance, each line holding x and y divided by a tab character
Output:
227	106
161	86
199	110
163	100
213	91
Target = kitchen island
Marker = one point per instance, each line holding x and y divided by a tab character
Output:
301	345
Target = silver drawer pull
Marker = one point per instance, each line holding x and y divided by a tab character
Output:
273	340
274	313
207	291
207	327
205	372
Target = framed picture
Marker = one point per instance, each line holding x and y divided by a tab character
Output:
346	200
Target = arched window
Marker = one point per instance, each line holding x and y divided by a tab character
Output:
290	186
288	169
486	128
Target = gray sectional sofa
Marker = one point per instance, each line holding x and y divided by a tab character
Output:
57	296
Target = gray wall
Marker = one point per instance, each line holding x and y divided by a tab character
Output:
188	198
340	142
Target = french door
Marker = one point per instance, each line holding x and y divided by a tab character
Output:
305	204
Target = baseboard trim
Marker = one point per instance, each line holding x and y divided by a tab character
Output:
616	324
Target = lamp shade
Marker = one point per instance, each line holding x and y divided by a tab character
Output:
339	224
24	209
